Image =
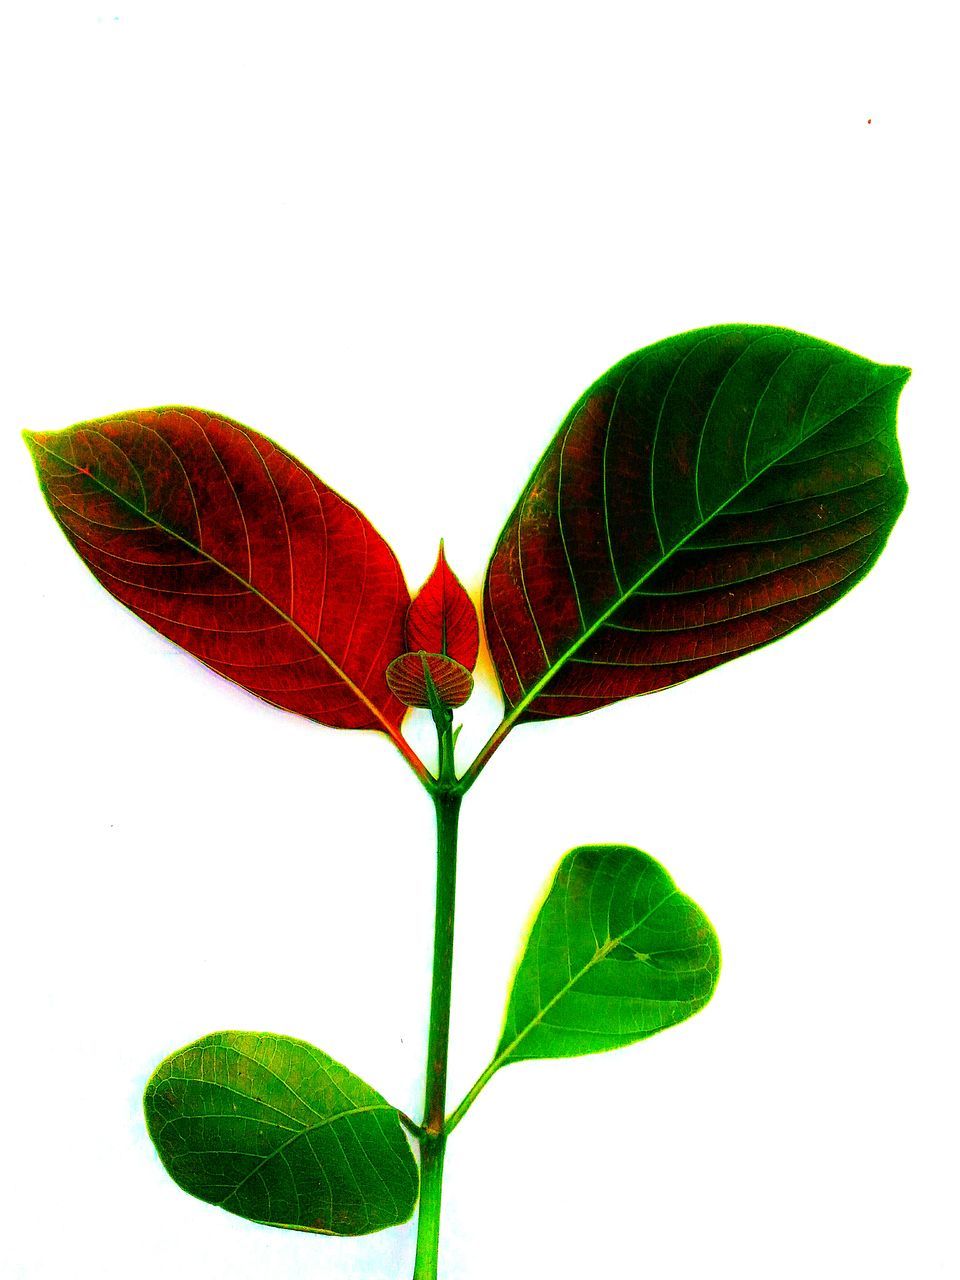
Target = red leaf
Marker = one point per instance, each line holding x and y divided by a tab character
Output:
407	678
442	618
231	548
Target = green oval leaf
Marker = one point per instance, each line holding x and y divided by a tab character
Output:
615	954
274	1130
706	496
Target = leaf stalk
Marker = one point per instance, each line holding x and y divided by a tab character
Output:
461	1110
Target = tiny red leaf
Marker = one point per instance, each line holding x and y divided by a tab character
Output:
407	679
231	548
442	619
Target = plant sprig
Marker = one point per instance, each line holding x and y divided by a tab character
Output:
706	496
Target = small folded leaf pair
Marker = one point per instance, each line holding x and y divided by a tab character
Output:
443	635
273	1129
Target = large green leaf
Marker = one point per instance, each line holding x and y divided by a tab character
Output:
616	954
274	1130
705	496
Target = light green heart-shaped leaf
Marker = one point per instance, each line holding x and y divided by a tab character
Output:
274	1130
615	954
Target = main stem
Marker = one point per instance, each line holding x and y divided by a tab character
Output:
447	798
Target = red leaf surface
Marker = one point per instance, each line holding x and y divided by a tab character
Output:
407	678
706	496
231	548
442	619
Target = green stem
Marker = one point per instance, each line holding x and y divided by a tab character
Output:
428	1220
447	800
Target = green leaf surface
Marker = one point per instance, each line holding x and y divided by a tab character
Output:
615	954
274	1130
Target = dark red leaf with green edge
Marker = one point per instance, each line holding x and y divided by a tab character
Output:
406	676
230	547
442	619
707	495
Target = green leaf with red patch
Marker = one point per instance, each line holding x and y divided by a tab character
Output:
706	496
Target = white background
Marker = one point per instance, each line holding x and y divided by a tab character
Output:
402	239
